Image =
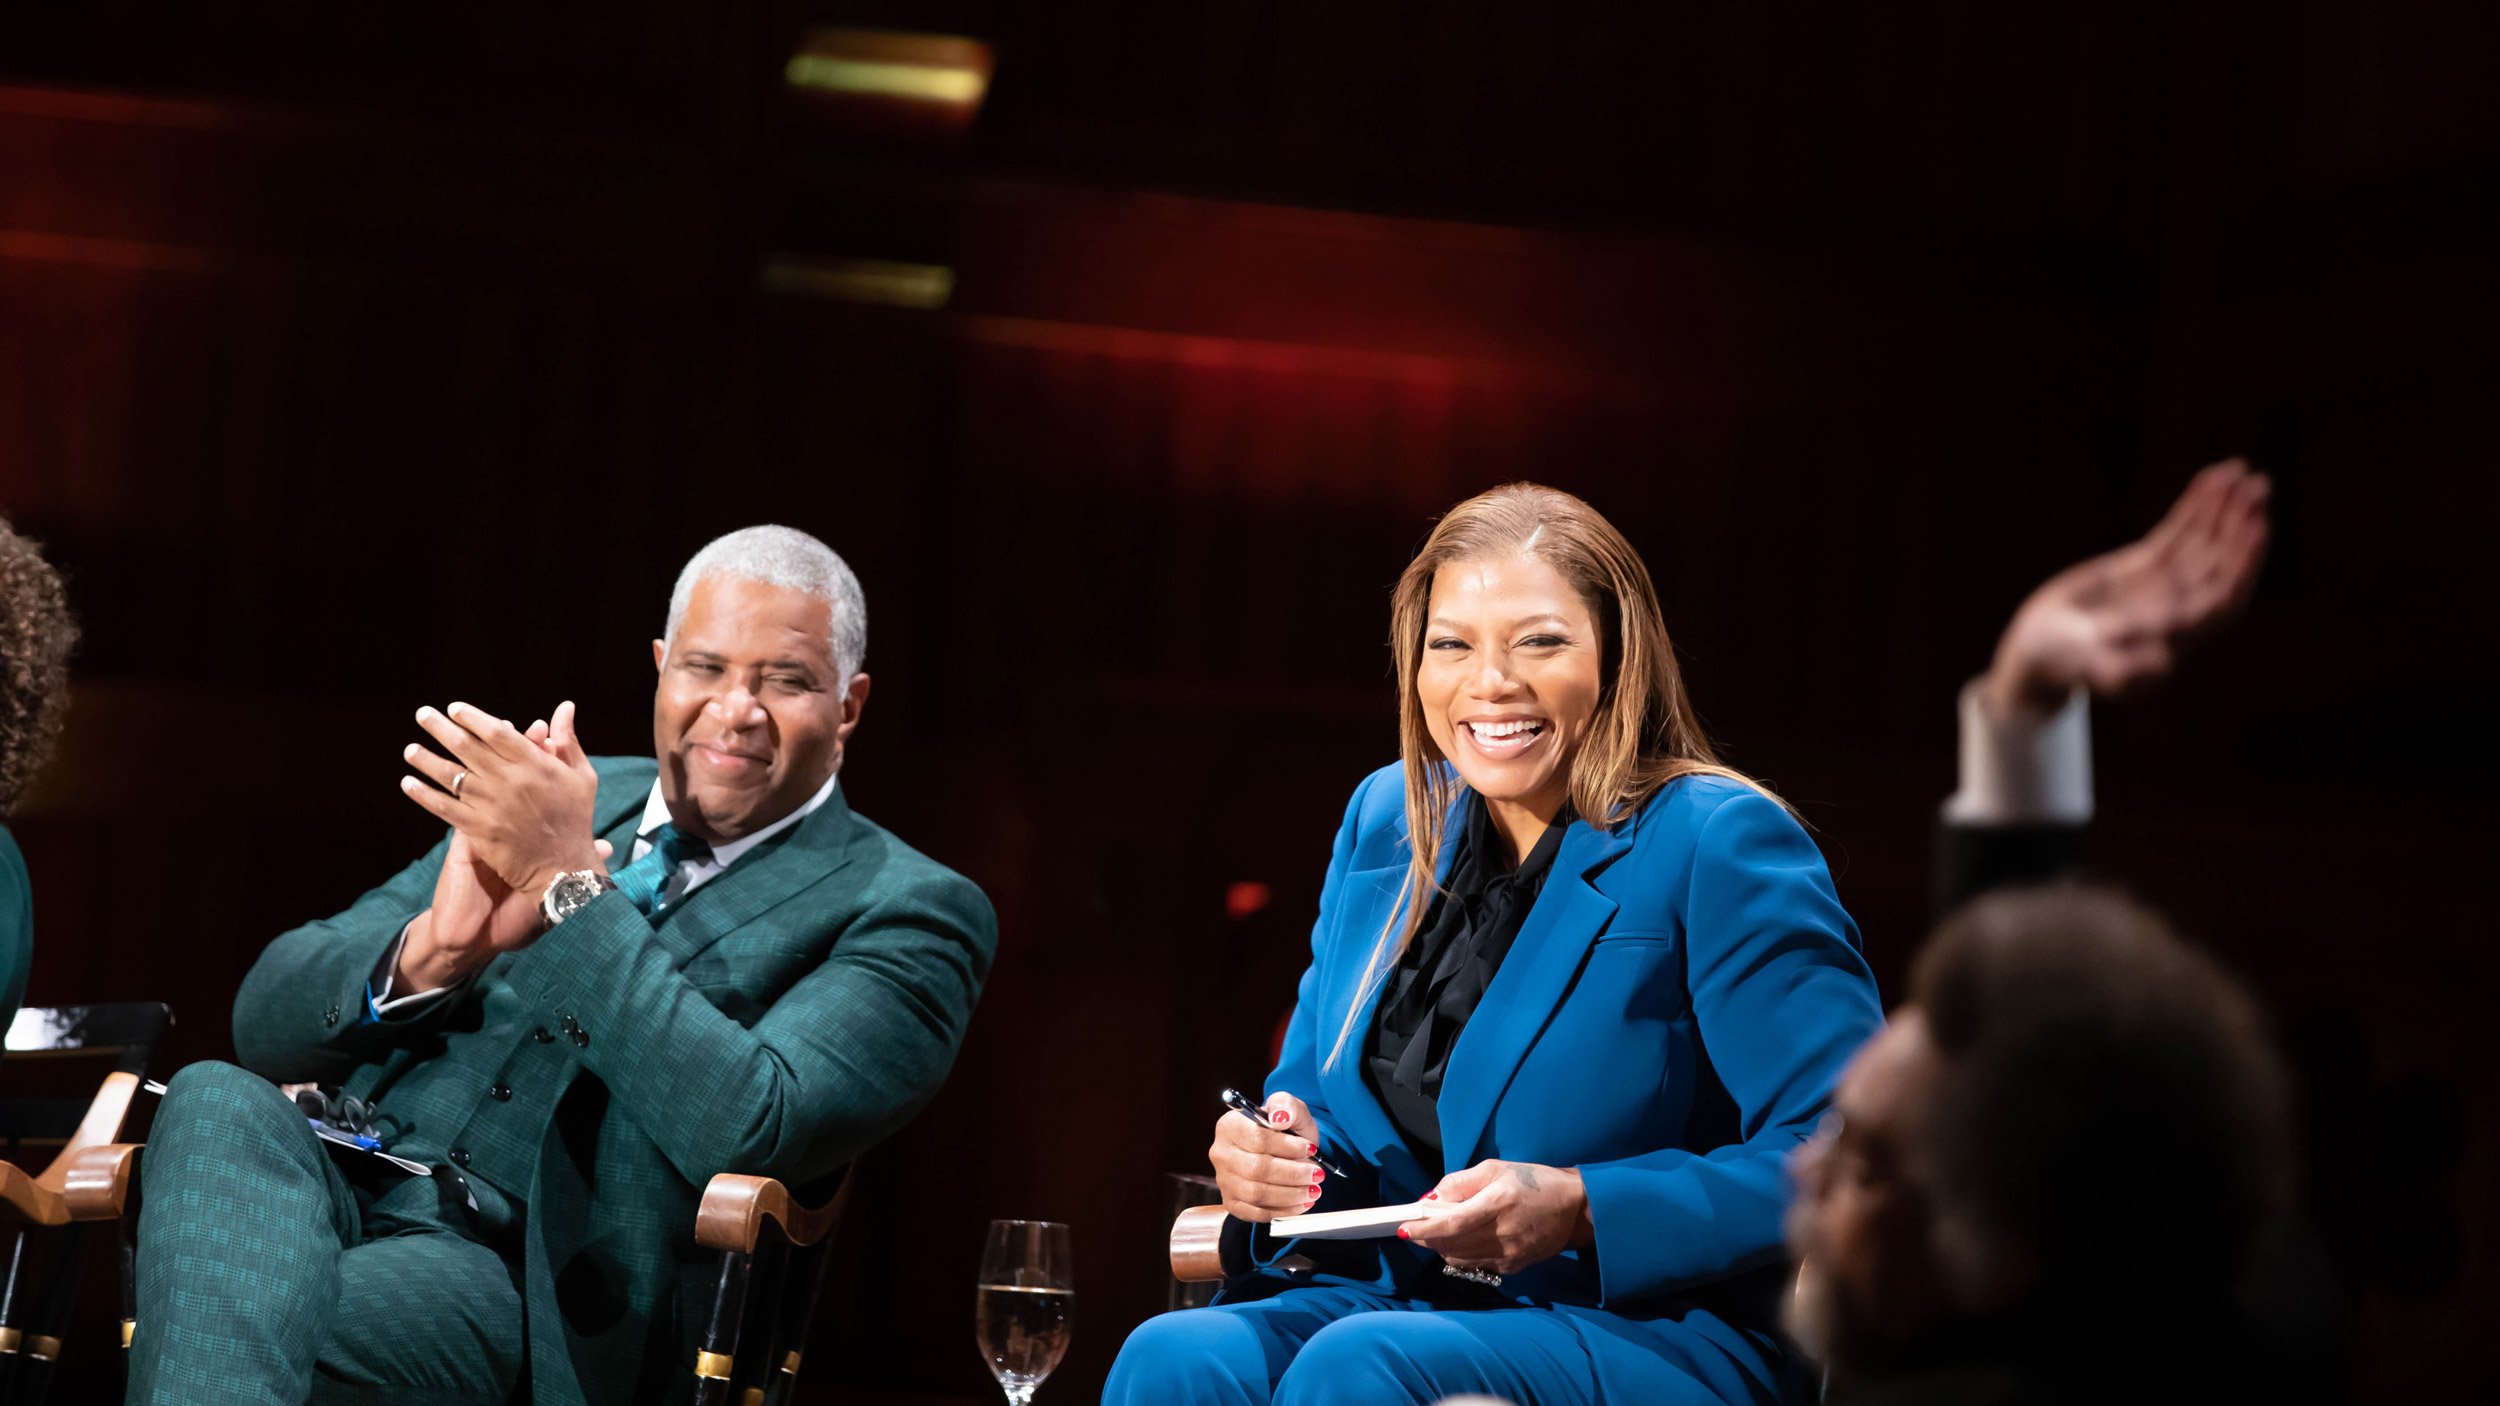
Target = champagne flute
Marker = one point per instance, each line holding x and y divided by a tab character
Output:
1024	1304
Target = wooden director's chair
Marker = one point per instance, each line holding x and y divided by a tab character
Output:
773	1256
1209	1247
92	1178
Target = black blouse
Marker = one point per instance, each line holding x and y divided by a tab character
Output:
1444	971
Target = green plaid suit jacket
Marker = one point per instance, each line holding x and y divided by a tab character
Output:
784	1017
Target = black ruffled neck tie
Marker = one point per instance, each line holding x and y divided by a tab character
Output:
1444	973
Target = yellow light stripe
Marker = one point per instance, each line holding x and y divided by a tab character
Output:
861	281
917	82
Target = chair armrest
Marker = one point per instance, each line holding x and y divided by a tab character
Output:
1198	1245
99	1180
735	1208
83	1183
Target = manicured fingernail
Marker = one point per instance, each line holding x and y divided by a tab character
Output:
455	708
1402	1235
407	783
1318	1175
425	712
1281	1118
1313	1146
1432	1195
411	752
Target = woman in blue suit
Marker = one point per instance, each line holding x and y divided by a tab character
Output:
1589	1009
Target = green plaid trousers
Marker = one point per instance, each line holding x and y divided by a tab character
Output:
265	1276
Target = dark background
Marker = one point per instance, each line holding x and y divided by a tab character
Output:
355	357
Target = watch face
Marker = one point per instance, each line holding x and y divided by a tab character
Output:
569	894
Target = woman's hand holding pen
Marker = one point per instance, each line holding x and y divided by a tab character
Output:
1505	1216
1267	1171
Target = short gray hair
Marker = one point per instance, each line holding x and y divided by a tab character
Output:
789	558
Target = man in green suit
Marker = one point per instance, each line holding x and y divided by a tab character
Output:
767	983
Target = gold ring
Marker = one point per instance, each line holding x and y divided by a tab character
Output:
457	782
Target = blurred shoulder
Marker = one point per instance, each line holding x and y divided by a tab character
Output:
1379	800
892	874
1690	805
1709	820
1375	817
635	772
624	786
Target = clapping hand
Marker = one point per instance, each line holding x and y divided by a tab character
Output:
1504	1216
525	804
477	913
2118	622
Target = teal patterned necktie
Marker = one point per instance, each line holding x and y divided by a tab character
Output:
646	879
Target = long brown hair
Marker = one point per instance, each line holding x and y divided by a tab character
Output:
1644	735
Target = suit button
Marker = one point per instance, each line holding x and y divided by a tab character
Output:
460	1156
501	1093
581	1038
330	1016
543	1035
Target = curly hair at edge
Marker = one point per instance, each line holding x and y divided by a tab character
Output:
37	633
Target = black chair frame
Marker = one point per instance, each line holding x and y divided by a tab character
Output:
93	1178
773	1256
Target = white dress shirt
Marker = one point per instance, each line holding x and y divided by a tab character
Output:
691	874
2024	771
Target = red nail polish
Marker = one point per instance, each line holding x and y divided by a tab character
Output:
1314	1149
1281	1118
1402	1235
1318	1176
1432	1195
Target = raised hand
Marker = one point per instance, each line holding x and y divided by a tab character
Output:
1505	1216
2120	621
1266	1172
475	916
525	804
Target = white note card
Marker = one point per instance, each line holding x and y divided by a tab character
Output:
1362	1223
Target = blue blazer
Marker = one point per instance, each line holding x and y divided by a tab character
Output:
1670	1020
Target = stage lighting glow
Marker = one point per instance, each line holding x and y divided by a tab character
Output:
920	81
889	65
925	286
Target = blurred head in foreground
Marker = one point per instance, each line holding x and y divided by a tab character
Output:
36	634
2055	1158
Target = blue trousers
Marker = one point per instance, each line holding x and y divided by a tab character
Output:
1322	1345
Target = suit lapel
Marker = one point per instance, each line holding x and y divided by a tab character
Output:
762	877
1534	976
1369	893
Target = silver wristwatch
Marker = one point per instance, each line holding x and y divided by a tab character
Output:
571	893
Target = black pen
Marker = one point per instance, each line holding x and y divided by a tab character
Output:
1234	1101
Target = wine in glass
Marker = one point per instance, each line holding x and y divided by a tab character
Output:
1025	1303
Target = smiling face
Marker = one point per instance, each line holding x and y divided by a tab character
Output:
1509	678
749	719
